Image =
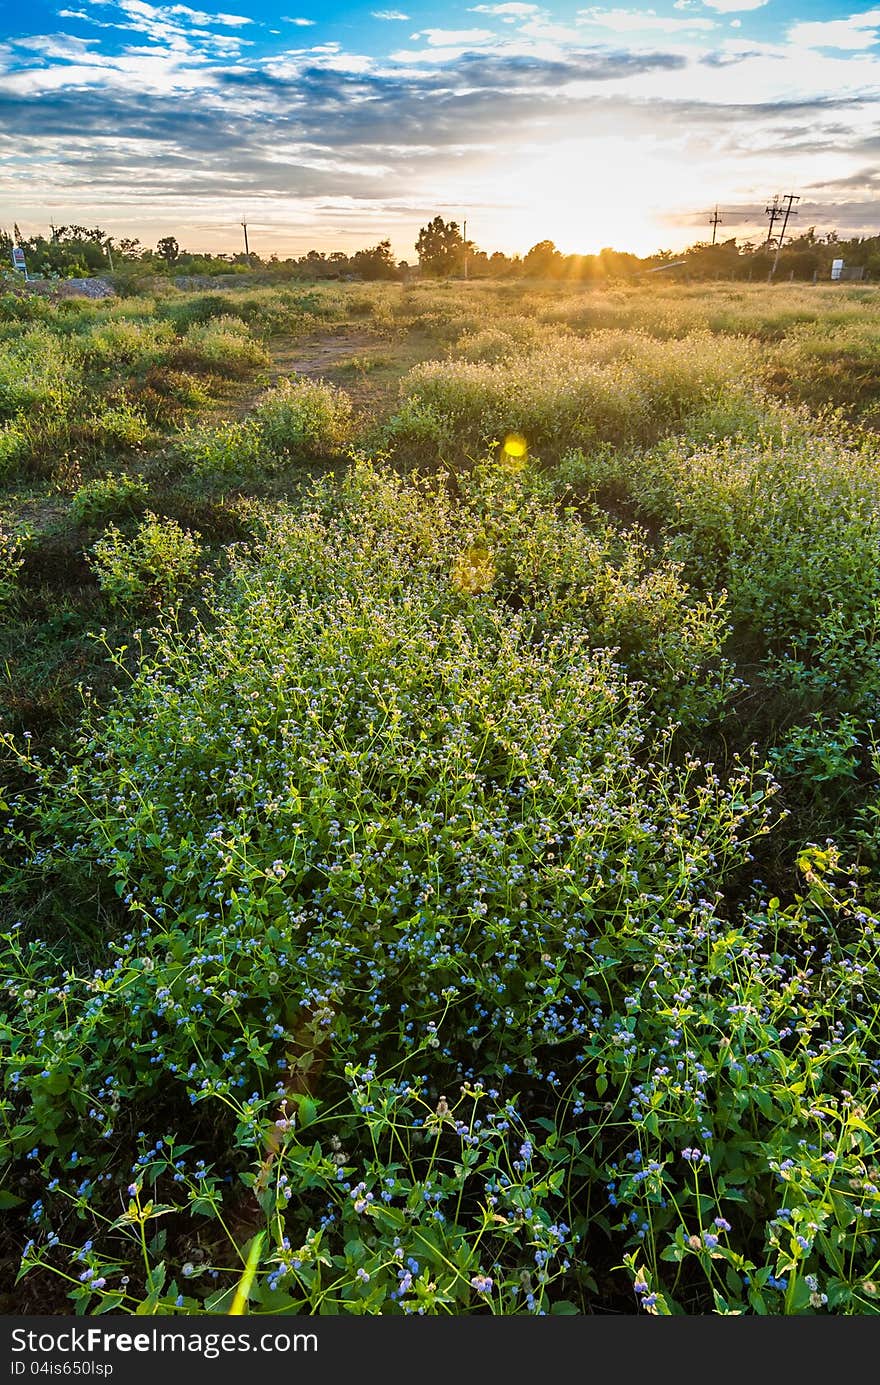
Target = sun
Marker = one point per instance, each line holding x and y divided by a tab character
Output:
584	194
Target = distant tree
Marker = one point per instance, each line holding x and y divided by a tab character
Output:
500	264
317	266
168	249
95	234
543	260
377	263
719	261
440	247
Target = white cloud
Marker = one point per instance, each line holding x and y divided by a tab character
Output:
60	48
299	22
513	8
201	17
727	6
640	21
541	28
445	38
857	32
389	14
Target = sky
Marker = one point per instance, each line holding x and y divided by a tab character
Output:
333	125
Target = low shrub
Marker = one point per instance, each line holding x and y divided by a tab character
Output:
223	346
305	417
396	873
230	452
611	388
122	344
36	371
109	497
154	567
298	420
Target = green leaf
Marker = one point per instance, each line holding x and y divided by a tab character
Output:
308	1110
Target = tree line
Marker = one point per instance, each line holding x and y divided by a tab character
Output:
443	252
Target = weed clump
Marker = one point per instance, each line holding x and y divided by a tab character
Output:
157	565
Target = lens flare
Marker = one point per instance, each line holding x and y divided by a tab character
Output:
514	452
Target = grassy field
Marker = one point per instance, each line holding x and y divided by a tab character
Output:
442	800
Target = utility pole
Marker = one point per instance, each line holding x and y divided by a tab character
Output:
107	245
247	253
715	221
464	228
789	198
774	211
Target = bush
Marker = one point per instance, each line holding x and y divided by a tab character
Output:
123	343
13	447
155	566
109	497
369	927
304	417
790	526
230	453
223	345
36	370
420	918
610	388
298	420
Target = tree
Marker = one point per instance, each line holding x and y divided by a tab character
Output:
440	247
377	263
542	260
168	249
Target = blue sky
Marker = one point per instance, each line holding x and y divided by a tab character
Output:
335	125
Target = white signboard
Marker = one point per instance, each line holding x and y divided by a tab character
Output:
836	267
18	258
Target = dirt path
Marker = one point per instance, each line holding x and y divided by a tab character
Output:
351	356
317	355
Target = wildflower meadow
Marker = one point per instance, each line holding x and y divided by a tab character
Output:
441	801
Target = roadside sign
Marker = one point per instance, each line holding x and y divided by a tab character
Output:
836	268
18	258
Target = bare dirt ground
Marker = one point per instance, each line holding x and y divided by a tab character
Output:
319	354
367	363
